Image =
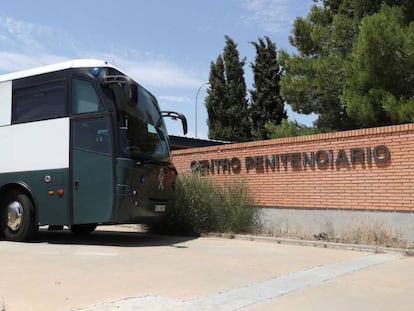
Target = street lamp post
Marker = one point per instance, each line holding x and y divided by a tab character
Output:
198	91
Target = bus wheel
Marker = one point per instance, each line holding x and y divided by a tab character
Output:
17	220
83	229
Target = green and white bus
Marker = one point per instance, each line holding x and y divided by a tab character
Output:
82	144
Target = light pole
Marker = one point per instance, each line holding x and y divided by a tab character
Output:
198	91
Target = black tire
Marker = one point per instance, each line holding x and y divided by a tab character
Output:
17	216
83	229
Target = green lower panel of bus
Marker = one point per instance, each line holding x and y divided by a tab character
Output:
48	189
138	193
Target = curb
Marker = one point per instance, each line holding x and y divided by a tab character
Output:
325	244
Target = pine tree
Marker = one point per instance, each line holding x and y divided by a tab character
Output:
226	102
267	106
379	86
338	44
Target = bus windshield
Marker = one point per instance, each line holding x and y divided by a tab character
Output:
142	131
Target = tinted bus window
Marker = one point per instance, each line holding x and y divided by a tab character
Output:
92	135
84	97
43	101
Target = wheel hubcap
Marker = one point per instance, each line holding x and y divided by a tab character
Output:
14	215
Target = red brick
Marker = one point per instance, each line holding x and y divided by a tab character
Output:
385	186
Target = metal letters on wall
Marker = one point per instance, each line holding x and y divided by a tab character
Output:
296	160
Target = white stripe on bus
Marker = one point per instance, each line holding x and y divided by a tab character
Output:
35	146
5	103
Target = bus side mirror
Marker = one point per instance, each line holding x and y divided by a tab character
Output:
175	115
184	123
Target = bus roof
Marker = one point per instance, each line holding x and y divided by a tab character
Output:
76	63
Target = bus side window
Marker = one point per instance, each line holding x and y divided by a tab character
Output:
84	97
39	102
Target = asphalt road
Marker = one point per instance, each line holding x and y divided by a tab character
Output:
127	270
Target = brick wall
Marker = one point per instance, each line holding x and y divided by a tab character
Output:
367	169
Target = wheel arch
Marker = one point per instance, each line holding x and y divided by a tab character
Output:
18	185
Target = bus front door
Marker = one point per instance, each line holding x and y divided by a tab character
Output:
92	171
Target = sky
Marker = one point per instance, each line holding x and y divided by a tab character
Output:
166	46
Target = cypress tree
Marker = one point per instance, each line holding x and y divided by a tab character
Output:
267	106
215	100
226	102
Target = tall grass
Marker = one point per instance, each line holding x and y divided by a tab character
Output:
371	233
202	207
240	213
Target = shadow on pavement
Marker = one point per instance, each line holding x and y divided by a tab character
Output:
111	237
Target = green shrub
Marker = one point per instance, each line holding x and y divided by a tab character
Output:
202	207
240	214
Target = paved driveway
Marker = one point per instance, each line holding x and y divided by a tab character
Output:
134	271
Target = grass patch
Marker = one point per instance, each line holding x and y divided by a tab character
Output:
371	233
202	207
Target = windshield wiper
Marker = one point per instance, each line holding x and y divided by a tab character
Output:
143	161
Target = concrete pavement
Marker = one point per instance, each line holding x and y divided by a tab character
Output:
134	271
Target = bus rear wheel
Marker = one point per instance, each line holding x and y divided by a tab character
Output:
17	218
83	229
